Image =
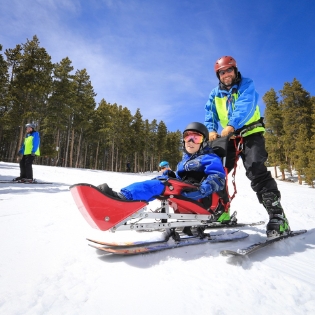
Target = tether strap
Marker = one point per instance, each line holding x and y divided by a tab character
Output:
238	149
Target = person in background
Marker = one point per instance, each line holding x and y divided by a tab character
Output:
233	103
28	151
128	167
164	166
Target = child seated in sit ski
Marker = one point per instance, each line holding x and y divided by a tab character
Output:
199	165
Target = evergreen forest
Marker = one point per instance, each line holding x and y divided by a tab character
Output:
77	132
74	131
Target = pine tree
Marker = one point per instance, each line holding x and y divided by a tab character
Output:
30	84
310	168
296	109
274	131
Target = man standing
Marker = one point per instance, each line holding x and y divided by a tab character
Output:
233	103
29	149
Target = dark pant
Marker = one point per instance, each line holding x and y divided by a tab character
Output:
254	156
26	169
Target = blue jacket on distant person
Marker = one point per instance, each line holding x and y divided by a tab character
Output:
31	144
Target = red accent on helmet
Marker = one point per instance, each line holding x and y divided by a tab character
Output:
224	63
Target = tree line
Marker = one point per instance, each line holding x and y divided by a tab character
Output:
290	131
77	132
74	131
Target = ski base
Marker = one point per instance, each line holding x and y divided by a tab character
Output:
257	246
232	224
21	182
215	237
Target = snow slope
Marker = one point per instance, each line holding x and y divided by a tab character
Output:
46	266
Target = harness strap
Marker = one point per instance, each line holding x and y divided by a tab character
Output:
238	144
253	125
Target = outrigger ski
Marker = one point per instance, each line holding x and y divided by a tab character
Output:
149	247
257	246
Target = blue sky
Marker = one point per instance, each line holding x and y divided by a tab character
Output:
158	55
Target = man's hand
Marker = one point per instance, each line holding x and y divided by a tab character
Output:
227	130
212	135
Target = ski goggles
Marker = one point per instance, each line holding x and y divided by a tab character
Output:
193	136
229	70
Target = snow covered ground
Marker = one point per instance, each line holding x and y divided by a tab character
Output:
46	266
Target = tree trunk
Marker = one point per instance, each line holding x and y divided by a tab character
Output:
299	178
71	148
276	171
67	148
135	168
113	154
57	147
116	164
96	155
282	175
79	150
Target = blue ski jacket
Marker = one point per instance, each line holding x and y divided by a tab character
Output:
236	107
31	144
203	167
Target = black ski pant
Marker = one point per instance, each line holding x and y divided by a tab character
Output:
26	169
254	156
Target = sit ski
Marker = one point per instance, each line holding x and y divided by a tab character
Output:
105	212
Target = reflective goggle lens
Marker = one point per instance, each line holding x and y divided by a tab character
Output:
193	136
221	72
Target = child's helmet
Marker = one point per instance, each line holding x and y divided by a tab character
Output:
199	127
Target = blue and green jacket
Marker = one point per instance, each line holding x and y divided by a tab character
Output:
31	144
236	107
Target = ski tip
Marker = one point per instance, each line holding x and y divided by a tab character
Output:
229	253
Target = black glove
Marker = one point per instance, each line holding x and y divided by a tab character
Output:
169	173
32	154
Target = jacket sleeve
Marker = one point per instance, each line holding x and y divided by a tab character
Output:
22	149
245	105
35	142
215	180
211	115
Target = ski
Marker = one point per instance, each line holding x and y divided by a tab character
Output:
169	244
257	246
215	225
20	182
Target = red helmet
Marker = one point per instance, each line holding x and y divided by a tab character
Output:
224	62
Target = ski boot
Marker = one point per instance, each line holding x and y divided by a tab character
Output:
220	215
278	223
108	191
27	180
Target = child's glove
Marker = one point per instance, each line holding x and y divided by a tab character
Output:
169	173
197	193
